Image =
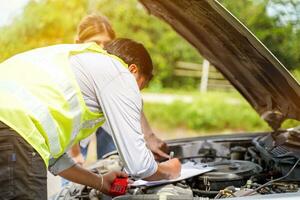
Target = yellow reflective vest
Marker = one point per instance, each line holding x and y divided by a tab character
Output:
41	100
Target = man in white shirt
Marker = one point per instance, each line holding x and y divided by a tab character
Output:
108	86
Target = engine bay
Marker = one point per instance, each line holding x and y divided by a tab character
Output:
244	165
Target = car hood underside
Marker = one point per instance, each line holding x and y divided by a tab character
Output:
236	53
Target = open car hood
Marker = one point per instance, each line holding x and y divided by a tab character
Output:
250	67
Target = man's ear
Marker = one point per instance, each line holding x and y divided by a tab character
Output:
133	68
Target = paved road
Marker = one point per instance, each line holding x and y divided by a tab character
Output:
166	98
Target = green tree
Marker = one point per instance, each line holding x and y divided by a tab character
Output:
42	23
48	22
51	22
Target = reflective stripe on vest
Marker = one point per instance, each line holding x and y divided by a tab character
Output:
68	90
69	93
37	110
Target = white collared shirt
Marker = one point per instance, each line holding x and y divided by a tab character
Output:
108	86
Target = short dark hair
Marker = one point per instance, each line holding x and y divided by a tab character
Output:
131	52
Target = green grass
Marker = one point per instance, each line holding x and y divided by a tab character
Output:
209	113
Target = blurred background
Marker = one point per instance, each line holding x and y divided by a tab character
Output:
183	99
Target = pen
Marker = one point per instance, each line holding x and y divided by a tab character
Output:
171	155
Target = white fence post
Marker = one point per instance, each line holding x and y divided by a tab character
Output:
204	76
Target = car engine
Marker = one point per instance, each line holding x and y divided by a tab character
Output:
244	165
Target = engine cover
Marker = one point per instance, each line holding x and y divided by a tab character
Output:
280	152
226	173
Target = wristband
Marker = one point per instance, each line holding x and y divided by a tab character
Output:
101	186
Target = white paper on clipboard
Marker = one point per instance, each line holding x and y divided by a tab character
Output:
188	170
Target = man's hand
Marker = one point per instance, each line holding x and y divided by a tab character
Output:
175	167
158	147
83	176
108	179
169	169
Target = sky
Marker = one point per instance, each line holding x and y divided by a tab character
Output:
10	9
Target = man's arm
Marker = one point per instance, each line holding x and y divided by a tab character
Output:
82	176
158	147
64	166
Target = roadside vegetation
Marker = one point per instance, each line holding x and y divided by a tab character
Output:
209	113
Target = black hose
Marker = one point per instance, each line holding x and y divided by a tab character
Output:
272	181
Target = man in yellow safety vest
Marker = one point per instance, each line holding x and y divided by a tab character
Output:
53	97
